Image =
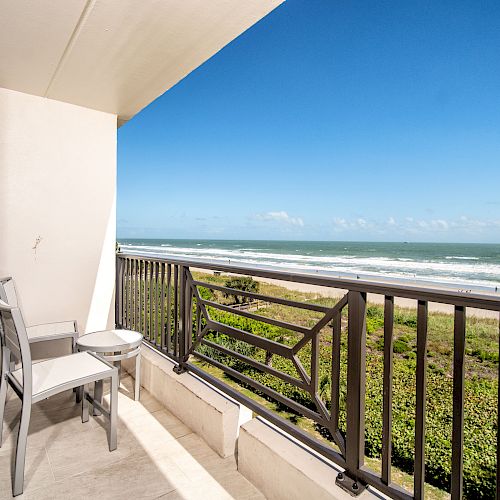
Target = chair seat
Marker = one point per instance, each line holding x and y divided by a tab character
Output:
50	331
58	374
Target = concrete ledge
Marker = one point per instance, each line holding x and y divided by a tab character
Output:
280	467
205	410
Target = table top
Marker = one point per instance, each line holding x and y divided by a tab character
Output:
109	340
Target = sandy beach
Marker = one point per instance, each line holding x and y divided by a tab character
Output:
375	299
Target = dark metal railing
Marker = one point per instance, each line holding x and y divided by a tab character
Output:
161	298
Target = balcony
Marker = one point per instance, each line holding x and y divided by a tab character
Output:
229	410
209	428
157	456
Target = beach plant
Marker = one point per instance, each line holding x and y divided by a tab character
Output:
244	283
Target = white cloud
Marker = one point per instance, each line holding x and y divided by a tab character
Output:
414	226
282	217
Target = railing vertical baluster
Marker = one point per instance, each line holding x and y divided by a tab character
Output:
144	297
137	295
356	386
122	294
188	304
421	380
118	291
149	299
157	305
126	294
387	389
154	304
198	319
458	403
314	363
131	294
335	376
134	292
182	313
162	304
169	309
176	311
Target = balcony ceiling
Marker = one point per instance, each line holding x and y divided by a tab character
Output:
115	56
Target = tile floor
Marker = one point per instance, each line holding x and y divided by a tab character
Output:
157	455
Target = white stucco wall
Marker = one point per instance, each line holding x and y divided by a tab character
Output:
58	184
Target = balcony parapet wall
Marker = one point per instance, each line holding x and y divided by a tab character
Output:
206	411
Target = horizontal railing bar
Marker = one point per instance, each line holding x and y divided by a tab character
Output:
476	300
257	317
250	338
266	298
259	366
392	489
290	403
280	422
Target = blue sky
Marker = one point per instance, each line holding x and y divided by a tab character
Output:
328	120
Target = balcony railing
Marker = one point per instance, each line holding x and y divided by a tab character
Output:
167	301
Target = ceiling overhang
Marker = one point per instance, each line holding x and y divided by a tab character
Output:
115	56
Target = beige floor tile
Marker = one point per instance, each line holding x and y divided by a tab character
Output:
37	472
141	478
72	454
153	429
157	456
46	425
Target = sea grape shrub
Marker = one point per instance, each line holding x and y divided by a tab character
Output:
243	283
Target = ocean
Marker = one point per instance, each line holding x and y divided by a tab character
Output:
456	265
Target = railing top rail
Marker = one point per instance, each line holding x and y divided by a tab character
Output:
409	291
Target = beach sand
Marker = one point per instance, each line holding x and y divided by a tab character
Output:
376	299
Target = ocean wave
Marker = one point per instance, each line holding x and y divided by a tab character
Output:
449	257
444	270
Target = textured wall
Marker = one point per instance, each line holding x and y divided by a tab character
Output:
57	208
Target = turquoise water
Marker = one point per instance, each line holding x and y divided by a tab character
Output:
454	264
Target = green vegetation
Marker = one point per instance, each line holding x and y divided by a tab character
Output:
481	384
244	283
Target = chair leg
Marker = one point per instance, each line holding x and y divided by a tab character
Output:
98	389
137	376
3	400
77	390
3	387
79	393
85	404
22	438
113	411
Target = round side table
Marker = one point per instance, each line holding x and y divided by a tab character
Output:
114	346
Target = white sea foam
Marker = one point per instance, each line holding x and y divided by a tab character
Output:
448	257
447	270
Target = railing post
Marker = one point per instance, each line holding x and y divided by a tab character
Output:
356	374
183	324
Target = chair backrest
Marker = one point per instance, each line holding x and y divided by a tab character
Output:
8	291
16	339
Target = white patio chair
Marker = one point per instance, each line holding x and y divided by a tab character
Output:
43	332
35	382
